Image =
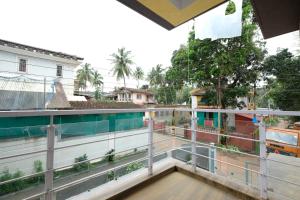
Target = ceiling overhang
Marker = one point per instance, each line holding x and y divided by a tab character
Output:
277	17
171	13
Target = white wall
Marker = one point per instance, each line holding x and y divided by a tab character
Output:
37	68
141	101
66	156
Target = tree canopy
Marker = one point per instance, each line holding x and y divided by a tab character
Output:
282	72
122	62
233	62
138	75
84	75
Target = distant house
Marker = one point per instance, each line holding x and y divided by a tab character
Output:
30	76
136	96
205	119
210	119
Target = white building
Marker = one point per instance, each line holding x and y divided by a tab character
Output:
136	96
35	71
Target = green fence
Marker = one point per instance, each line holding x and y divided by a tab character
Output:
69	125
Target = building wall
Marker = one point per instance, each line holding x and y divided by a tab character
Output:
244	125
69	125
66	156
37	69
141	101
27	134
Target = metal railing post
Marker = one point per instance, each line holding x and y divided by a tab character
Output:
50	161
263	161
193	139
150	145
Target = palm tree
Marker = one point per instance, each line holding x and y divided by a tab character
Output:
156	76
121	61
84	75
138	75
97	81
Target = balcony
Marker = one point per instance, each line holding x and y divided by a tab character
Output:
122	154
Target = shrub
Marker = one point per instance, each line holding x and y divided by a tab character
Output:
134	166
38	167
188	157
12	186
110	175
110	157
81	166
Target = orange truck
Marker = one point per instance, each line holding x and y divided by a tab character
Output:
283	141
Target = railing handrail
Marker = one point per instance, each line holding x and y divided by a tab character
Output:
24	113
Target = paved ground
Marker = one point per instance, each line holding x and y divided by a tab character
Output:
177	186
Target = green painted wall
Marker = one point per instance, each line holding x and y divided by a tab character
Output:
69	125
201	118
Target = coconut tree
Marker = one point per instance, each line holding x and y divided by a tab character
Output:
121	61
97	81
156	76
138	75
84	75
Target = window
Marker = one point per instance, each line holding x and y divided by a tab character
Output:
139	96
282	137
59	71
22	65
209	116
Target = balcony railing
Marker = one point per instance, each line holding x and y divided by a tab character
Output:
46	152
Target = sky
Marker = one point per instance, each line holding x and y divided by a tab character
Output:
94	29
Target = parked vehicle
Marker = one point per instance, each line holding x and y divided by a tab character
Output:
283	141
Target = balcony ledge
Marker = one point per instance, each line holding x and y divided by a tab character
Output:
127	184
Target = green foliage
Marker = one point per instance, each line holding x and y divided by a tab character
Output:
230	9
271	120
183	95
188	157
223	140
133	167
110	156
87	74
97	81
81	166
234	62
122	61
12	186
38	166
98	94
282	71
160	86
84	75
229	148
110	175
138	75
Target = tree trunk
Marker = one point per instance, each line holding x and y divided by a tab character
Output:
126	95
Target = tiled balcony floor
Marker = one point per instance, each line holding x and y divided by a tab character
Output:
178	186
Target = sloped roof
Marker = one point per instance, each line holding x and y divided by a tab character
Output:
133	90
39	50
198	92
102	105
